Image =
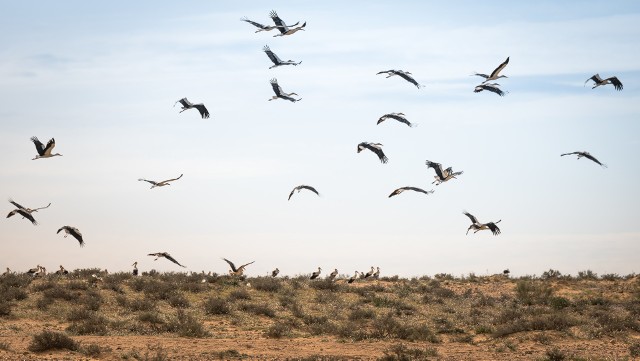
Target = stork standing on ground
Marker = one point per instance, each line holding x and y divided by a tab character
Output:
160	184
186	105
276	60
494	74
586	155
280	93
237	271
62	271
333	274
617	84
8	271
376	274
442	175
397	116
44	152
370	273
68	230
284	28
301	187
135	268
493	87
167	256
275	272
477	226
415	189
374	147
353	278
33	271
403	74
315	274
506	272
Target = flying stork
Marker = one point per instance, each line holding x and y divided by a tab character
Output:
236	271
301	187
284	28
276	60
160	184
403	74
586	155
275	272
493	87
477	226
44	152
24	212
374	147
397	116
68	230
333	274
186	104
442	175
353	278
494	74
598	81
280	93
315	274
263	27
402	189
165	255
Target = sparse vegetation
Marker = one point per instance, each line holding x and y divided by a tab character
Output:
51	340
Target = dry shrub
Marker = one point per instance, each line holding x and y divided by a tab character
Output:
360	314
267	284
325	285
258	309
94	324
51	340
216	306
178	300
634	349
533	293
240	294
279	329
186	325
401	352
5	308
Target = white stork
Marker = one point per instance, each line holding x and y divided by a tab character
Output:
284	28
186	105
599	81
333	274
301	187
44	152
276	60
374	147
493	87
402	189
280	93
442	175
24	212
494	74
275	272
7	272
353	278
236	271
376	274
315	274
586	155
477	226
397	116
164	255
33	271
68	230
135	268
160	184
62	271
263	27
403	74
370	273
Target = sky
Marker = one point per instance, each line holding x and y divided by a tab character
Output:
102	79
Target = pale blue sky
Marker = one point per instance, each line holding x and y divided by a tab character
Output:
102	79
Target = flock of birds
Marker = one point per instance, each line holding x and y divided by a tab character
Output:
441	175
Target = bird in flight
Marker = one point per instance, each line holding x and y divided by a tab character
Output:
24	212
403	74
374	147
477	226
186	105
68	230
301	187
397	116
494	74
402	189
442	175
165	255
44	152
264	27
160	184
276	60
280	93
284	28
236	271
586	155
493	87
599	81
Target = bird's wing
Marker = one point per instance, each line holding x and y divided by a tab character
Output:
474	220
493	89
596	78
171	180
616	82
41	207
562	155
437	167
16	204
246	264
254	23
61	229
12	213
168	256
499	68
494	229
408	78
38	144
203	110
233	267
589	156
276	87
310	188
281	25
385	72
416	189
184	102
26	215
76	234
396	192
286	97
291	194
146	180
155	254
377	150
274	58
482	75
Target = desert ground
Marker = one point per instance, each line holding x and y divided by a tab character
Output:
207	317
